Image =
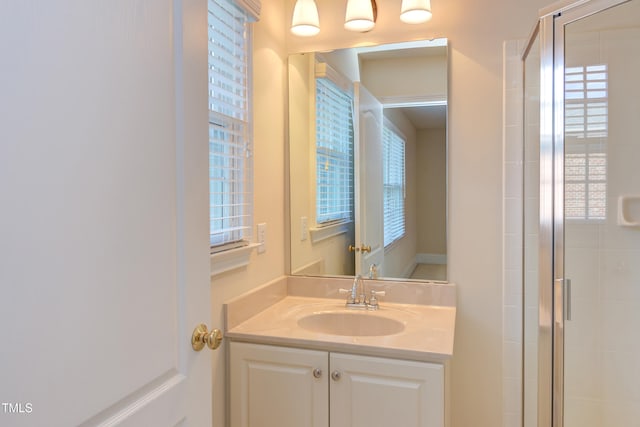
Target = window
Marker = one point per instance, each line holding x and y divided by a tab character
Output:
586	129
334	153
393	176
586	106
585	182
230	145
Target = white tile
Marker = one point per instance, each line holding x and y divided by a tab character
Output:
531	324
513	73
512	419
513	107
513	148
512	359
512	287
620	321
512	323
513	251
510	48
621	379
513	179
583	372
512	394
621	413
584	413
513	215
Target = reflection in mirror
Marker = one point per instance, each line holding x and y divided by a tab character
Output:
368	161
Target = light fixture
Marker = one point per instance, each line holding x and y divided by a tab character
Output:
415	11
361	15
305	21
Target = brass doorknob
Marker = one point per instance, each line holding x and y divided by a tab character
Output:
202	336
364	248
353	248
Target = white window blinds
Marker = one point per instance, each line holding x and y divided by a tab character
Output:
393	176
585	177
334	153
230	146
586	101
586	130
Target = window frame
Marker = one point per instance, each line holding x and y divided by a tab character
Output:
235	254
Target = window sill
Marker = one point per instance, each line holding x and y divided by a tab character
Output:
232	259
322	233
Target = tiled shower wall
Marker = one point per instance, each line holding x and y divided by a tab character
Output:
513	243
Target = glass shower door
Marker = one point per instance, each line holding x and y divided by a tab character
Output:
601	227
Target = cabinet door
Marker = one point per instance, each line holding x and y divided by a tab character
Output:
371	392
278	386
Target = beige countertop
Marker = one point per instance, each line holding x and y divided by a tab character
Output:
270	315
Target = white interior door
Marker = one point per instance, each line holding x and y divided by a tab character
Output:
369	196
104	264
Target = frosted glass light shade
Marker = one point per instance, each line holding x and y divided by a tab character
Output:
415	11
305	21
360	15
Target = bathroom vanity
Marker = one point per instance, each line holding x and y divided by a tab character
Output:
298	357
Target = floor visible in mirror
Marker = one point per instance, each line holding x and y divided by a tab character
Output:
430	272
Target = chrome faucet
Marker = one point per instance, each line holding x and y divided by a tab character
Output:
357	295
357	290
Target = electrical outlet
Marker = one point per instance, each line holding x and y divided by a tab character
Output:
262	237
304	228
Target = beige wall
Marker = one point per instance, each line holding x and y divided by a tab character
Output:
475	31
431	155
269	85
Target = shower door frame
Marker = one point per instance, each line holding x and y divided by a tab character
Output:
552	291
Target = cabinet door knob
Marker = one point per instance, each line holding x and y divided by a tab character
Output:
336	375
317	373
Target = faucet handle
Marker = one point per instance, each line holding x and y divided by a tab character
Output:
373	300
350	299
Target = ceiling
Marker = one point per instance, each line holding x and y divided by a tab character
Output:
427	117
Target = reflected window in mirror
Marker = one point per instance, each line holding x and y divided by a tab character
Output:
393	176
334	153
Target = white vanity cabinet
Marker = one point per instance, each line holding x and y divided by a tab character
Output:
291	387
278	386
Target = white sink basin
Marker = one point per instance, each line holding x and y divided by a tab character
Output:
350	324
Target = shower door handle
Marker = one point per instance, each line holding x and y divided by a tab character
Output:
567	298
562	300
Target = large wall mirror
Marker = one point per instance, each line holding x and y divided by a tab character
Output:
368	161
